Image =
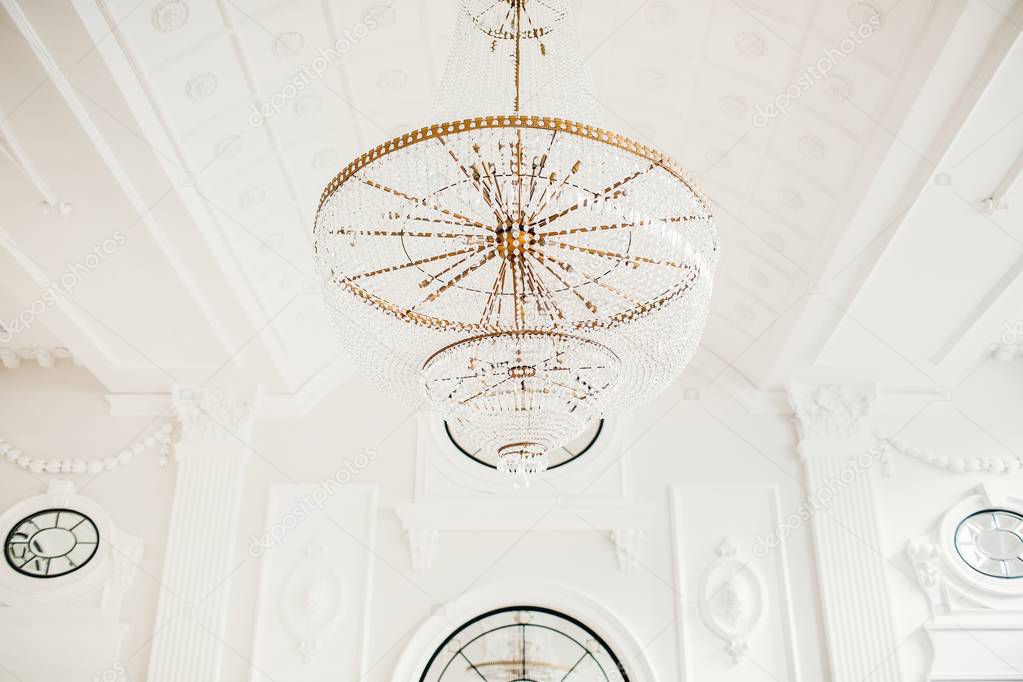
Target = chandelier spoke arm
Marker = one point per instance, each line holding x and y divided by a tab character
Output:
488	307
604	193
539	169
611	255
456	279
344	231
576	167
476	181
619	226
544	292
421	201
592	307
413	264
594	280
486	390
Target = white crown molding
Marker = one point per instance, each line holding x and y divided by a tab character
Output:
270	406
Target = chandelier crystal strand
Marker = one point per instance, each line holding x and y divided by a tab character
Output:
522	275
516	56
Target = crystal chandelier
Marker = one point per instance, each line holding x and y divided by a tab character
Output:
519	272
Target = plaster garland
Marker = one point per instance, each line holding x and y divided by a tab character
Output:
1003	464
161	439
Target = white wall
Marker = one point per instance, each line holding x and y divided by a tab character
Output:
712	441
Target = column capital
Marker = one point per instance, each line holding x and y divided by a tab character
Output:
214	415
830	411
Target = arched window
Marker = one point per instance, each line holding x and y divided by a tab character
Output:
524	644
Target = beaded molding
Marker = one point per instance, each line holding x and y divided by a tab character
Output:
1008	464
161	439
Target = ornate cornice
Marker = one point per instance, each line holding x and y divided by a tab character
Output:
831	409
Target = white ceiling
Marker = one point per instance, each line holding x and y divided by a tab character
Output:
126	109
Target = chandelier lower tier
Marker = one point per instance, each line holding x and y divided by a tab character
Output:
523	275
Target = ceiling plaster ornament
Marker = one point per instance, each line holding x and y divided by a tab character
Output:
511	270
201	87
311	600
865	14
733	599
46	358
392	80
325	159
745	312
830	410
838	88
790	199
733	106
228	148
661	15
251	197
161	439
759	279
652	79
959	464
750	45
812	148
170	15
308	105
384	14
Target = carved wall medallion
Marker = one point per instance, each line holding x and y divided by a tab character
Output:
733	600
311	600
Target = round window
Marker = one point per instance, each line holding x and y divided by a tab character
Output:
558	457
524	644
51	543
991	542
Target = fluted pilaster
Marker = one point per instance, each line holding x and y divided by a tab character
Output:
839	462
200	554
